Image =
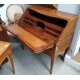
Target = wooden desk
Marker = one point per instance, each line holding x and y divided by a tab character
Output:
26	37
5	50
3	37
3	32
44	29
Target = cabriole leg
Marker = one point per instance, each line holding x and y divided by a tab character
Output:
65	53
22	46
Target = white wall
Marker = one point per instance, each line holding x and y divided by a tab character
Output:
76	39
3	11
73	8
24	6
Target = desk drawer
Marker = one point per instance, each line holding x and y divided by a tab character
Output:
50	33
53	29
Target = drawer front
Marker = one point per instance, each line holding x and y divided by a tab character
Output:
51	34
3	36
29	19
27	23
52	29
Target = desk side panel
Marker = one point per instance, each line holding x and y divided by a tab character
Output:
68	29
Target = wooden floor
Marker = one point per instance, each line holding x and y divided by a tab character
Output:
77	57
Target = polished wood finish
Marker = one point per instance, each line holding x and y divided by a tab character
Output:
3	32
3	36
5	50
44	29
65	54
29	39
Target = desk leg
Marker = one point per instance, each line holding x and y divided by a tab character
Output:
0	67
22	46
6	60
52	62
51	52
12	62
65	53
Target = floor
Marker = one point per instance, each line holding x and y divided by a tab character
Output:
28	63
77	57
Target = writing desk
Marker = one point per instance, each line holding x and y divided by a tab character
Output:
45	29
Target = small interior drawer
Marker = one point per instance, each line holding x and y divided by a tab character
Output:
50	33
52	29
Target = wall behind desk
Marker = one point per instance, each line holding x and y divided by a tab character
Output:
71	8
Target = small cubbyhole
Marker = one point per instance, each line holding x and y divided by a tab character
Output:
41	25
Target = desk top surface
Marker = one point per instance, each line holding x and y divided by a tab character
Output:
3	46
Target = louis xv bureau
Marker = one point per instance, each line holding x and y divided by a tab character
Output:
45	29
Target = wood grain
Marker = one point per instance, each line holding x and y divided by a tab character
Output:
5	51
45	29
